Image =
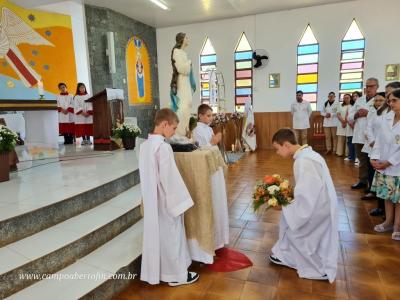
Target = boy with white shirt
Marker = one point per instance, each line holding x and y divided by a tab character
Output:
203	133
301	112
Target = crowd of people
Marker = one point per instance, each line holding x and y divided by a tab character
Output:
364	130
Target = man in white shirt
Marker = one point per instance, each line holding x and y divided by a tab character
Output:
358	115
301	112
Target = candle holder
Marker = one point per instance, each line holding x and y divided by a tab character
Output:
220	121
237	119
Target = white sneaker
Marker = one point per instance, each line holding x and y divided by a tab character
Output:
191	278
357	161
346	159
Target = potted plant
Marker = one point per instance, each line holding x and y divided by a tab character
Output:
128	134
8	139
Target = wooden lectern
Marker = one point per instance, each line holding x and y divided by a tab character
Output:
107	109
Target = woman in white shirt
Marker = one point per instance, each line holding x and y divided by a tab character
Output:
342	126
329	111
385	158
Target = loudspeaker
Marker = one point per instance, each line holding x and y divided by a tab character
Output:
110	52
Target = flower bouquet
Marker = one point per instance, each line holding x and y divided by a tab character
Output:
274	191
128	134
8	139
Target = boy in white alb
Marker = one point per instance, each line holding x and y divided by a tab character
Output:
165	255
301	112
203	133
204	136
65	105
308	234
83	115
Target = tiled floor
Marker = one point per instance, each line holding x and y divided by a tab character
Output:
369	264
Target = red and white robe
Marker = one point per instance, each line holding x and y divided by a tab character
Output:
65	121
83	124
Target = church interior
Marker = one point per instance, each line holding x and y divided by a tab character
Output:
87	86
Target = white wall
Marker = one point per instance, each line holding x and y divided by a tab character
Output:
76	10
279	34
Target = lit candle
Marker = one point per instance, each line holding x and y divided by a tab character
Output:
233	147
40	88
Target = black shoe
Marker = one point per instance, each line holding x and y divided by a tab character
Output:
191	278
358	186
369	196
377	212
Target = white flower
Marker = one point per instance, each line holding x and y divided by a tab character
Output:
271	189
272	202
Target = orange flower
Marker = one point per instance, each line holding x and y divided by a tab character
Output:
269	179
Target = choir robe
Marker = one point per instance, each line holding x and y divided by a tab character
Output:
83	125
308	233
165	254
65	121
203	135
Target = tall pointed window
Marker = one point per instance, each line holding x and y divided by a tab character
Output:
352	60
307	66
243	73
208	62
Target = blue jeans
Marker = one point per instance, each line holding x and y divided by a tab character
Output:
352	150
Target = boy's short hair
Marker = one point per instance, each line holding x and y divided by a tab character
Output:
61	84
165	114
300	92
203	109
284	135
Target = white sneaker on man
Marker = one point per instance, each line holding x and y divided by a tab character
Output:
346	159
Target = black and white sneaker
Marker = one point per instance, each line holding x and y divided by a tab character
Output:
191	278
276	260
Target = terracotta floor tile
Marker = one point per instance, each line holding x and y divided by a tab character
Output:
266	276
335	289
227	287
289	280
359	291
362	275
256	291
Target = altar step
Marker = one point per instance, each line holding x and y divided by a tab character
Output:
118	257
104	239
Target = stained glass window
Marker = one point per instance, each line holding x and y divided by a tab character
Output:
352	60
243	72
307	66
208	62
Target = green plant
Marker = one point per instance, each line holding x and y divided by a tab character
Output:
8	139
126	130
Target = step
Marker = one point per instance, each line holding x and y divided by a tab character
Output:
120	253
39	198
52	249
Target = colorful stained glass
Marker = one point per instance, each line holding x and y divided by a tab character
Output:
310	97
311	49
244	91
208	62
206	59
306	69
243	82
244	55
307	59
352	62
308	78
243	72
307	66
244	64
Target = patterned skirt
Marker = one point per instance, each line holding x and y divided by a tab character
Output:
386	187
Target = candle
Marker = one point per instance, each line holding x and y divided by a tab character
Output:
233	148
40	88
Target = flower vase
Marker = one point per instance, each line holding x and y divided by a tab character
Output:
129	142
4	167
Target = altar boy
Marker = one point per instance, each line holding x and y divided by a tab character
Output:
204	136
203	133
308	234
165	255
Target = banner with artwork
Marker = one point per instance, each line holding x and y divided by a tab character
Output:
36	53
138	72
